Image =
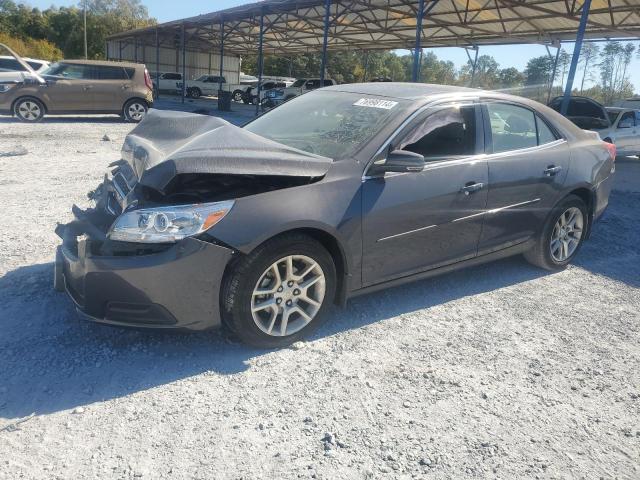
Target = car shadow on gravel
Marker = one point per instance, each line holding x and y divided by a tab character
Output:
50	360
65	120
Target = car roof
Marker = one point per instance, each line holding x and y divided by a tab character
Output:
616	109
26	58
103	63
417	91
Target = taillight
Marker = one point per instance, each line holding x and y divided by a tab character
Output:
612	150
147	79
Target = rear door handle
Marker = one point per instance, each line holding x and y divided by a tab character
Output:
471	187
552	170
125	87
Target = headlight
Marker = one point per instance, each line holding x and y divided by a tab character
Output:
5	87
168	224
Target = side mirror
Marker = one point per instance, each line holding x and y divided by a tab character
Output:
399	161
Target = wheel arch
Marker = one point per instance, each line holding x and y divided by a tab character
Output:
23	97
135	97
330	243
587	195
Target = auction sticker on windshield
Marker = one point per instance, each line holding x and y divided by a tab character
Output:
376	103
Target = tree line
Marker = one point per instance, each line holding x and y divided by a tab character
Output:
57	33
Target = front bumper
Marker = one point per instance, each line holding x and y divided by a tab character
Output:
175	288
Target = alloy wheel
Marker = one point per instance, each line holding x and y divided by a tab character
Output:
566	235
137	111
237	97
288	295
29	110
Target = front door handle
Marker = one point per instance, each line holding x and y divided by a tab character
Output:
552	170
472	187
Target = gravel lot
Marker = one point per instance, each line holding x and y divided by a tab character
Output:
501	371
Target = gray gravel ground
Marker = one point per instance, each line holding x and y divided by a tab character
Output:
500	371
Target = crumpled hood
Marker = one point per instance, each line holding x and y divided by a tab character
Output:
166	144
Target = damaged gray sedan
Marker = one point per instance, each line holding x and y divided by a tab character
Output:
343	191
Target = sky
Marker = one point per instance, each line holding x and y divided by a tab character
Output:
506	55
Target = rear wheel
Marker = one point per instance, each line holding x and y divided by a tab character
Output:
562	235
29	110
135	110
277	294
195	92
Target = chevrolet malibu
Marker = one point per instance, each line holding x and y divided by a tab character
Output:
346	190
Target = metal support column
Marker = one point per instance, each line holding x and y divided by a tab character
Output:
554	71
120	50
576	55
474	63
184	65
260	59
221	54
135	49
325	41
157	63
418	48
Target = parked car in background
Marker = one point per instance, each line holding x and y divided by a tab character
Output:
299	87
167	82
346	190
585	112
617	125
11	64
267	85
79	86
209	85
624	131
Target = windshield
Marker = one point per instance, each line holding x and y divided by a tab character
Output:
299	83
331	124
202	78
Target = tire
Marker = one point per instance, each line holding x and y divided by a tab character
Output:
549	252
135	110
238	96
195	92
239	297
29	110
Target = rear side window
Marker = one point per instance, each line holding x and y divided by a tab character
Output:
448	132
512	127
172	76
545	134
110	73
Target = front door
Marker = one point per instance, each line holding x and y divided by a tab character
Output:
418	221
626	133
69	89
528	162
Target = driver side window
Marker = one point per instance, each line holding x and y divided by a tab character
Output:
448	132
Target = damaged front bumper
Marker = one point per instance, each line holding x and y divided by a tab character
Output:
169	286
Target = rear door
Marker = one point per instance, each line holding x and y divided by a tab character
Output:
111	87
528	162
418	221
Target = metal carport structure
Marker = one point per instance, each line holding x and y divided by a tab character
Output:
300	26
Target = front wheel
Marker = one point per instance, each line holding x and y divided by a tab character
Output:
29	110
237	96
277	294
562	235
135	110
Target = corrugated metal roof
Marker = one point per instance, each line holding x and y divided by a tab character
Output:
295	26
